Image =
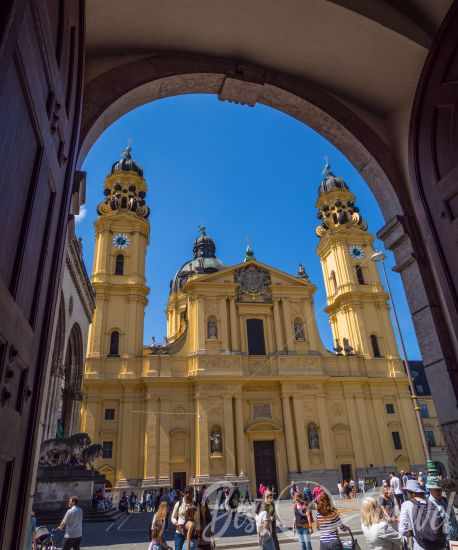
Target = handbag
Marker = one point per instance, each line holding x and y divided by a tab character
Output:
350	543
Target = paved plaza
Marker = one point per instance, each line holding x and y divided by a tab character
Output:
131	532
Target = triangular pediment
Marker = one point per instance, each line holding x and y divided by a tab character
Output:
227	275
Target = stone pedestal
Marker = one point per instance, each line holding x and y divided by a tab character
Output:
56	484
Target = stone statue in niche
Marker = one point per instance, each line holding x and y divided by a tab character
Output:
299	333
216	442
313	436
212	328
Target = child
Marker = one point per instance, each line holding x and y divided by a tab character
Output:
189	526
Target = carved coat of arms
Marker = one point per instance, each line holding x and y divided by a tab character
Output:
254	284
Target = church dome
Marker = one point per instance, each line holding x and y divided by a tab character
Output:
126	163
331	182
204	261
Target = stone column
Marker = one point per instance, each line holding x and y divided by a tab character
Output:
201	328
202	441
278	328
235	343
240	430
289	435
288	325
164	444
303	456
356	436
151	438
228	441
368	437
224	327
382	428
326	442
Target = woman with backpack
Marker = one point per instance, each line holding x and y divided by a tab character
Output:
378	532
421	520
266	522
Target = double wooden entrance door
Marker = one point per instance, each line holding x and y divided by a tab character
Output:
41	71
265	463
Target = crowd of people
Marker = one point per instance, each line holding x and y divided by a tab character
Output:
408	511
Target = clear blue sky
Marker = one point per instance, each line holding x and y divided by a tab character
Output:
242	172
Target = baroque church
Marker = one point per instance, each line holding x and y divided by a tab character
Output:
243	390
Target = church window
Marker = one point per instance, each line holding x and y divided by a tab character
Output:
255	334
389	408
119	267
396	440
114	343
360	275
430	438
109	414
107	449
424	412
212	328
333	282
299	333
375	346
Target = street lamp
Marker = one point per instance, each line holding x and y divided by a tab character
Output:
380	257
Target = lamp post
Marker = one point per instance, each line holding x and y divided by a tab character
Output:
380	257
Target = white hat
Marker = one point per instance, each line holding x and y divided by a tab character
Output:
413	486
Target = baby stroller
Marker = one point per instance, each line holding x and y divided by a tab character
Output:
44	539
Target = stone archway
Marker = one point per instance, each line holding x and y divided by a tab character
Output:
133	83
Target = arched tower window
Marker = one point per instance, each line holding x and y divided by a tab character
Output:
360	275
375	346
333	282
212	328
119	267
299	332
114	343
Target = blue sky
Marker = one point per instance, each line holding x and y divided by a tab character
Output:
244	173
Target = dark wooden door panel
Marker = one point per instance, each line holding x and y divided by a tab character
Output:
265	463
41	63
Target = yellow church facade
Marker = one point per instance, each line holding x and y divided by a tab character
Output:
243	390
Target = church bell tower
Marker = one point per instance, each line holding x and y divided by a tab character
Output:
122	234
357	303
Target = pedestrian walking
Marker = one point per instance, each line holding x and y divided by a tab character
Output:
361	486
340	489
303	521
132	502
72	523
446	509
395	484
388	504
266	522
328	523
378	532
158	525
421	520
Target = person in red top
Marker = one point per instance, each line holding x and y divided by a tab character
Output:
316	492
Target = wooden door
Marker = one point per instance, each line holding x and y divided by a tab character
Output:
434	170
265	464
41	64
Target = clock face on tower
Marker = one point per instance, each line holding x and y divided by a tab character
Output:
356	251
121	240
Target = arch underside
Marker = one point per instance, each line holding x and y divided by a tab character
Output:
119	90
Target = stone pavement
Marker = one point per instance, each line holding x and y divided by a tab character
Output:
131	532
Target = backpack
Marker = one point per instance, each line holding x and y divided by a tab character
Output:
428	526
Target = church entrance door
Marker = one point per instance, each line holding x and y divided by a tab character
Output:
179	481
265	464
347	472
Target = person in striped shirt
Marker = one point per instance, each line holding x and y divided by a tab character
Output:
328	523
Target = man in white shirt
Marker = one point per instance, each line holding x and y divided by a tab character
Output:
73	525
395	484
